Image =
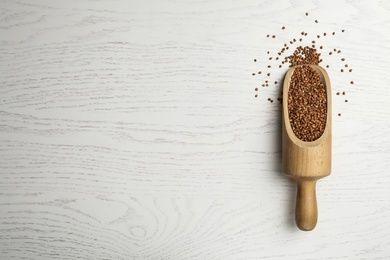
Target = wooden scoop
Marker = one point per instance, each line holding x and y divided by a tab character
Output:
306	162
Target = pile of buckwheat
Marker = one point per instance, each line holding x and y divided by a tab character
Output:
307	94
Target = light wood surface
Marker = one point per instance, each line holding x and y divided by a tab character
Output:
129	130
306	162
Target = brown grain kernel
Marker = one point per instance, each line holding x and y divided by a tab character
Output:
313	41
270	58
291	42
346	65
256	95
266	85
338	93
339	114
269	66
343	92
282	62
352	82
318	36
327	66
346	100
266	81
343	30
342	70
287	48
259	72
273	36
350	70
338	51
300	39
253	74
267	52
321	47
256	89
333	33
276	58
316	21
280	66
330	53
254	60
279	53
283	28
276	82
324	34
313	46
307	107
334	50
267	35
307	14
320	60
268	74
342	59
263	85
302	33
285	45
305	34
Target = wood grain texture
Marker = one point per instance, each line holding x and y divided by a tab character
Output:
129	130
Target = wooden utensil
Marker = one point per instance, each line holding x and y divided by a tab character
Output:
306	162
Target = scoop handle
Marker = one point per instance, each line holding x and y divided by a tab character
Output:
306	213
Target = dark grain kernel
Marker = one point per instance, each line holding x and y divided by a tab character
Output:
321	47
254	60
259	72
333	33
294	40
343	30
277	58
268	74
350	70
266	81
253	74
256	95
344	93
269	66
305	34
307	14
267	35
338	93
285	45
300	39
267	52
339	114
324	34
342	70
330	53
313	46
302	33
342	59
280	66
346	65
352	82
318	36
256	89
263	85
313	41
316	21
273	36
346	100
266	85
270	58
291	42
283	28
276	82
327	66
334	50
338	51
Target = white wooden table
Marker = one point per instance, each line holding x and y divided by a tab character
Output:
129	130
